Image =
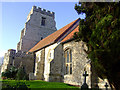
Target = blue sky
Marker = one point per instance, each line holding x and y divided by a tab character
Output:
14	16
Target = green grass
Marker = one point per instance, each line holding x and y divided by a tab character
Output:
40	84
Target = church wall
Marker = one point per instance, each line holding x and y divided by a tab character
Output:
39	65
49	56
79	63
26	60
56	65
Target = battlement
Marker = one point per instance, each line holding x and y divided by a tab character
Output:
40	10
43	11
22	52
19	53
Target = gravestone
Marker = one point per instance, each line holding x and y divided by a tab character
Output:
106	86
84	86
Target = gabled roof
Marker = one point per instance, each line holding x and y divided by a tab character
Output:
54	37
70	35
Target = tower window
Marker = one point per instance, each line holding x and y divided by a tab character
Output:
41	38
43	21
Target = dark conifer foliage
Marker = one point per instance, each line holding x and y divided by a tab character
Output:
100	30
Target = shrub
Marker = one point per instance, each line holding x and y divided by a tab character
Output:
21	74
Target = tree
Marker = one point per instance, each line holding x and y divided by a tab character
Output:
100	30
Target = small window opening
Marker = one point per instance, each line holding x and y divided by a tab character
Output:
41	38
43	21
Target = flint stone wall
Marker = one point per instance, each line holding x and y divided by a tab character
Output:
79	63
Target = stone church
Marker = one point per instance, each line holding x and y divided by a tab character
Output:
40	23
52	55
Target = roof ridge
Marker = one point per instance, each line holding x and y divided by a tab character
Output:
75	21
71	30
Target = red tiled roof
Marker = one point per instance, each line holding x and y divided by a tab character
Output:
70	35
54	37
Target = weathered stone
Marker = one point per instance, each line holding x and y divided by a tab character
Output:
12	58
31	34
34	30
79	63
39	65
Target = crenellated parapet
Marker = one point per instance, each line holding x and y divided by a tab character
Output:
40	10
23	54
43	11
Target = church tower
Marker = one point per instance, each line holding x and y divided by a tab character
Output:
40	23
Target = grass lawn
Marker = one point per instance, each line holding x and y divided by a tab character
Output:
40	84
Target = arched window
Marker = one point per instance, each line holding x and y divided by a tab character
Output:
68	61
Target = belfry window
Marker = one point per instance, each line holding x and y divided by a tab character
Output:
43	21
41	38
68	61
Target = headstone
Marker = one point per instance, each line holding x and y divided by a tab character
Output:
84	86
106	86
